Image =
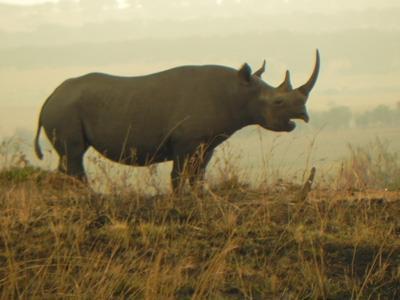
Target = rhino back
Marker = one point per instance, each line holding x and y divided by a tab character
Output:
148	112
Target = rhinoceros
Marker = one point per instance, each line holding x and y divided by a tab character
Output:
180	115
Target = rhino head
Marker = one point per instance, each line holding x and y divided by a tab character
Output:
274	108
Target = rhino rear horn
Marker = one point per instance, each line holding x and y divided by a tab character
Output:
307	87
260	71
286	85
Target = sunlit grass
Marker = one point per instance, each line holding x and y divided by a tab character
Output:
61	239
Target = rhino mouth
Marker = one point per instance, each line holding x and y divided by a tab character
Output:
286	126
291	124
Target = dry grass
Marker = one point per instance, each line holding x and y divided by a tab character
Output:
59	239
373	166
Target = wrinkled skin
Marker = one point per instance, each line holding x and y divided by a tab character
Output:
177	115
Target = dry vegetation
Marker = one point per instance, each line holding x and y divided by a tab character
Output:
59	239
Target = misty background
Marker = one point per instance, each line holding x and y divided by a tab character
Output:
43	43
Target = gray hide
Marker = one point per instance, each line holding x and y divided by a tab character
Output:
180	114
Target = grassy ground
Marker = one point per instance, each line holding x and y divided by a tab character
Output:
59	239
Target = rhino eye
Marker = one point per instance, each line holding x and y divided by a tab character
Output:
278	102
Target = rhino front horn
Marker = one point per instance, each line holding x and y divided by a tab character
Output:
306	88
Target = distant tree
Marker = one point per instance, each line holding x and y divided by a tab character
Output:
397	113
337	117
363	120
381	115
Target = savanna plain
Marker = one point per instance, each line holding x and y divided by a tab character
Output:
330	232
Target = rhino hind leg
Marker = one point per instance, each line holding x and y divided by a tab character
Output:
72	165
190	165
71	149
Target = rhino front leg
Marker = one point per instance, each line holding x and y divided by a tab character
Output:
178	177
190	165
199	166
183	152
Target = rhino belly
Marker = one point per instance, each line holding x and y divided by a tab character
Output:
135	155
133	142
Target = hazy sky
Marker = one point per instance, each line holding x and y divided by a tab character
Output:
26	2
43	44
327	4
304	14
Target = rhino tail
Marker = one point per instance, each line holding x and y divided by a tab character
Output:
38	151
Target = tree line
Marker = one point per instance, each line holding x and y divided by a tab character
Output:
342	117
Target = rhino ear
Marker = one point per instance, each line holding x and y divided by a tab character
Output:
245	73
260	71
